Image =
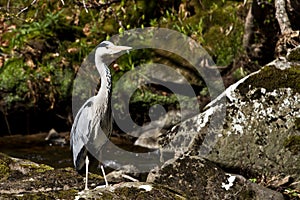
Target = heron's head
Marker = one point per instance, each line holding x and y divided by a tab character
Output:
108	48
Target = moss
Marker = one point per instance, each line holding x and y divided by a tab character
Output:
42	168
294	55
292	143
222	24
95	176
39	168
61	194
272	78
4	167
65	194
126	191
247	195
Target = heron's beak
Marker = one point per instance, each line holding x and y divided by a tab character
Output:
120	48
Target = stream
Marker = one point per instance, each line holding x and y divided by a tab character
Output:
35	148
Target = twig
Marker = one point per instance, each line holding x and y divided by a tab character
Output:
26	8
7	124
33	2
22	11
84	5
129	178
6	121
62	1
94	4
7	5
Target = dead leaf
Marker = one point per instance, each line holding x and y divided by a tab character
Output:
47	79
73	50
86	30
30	63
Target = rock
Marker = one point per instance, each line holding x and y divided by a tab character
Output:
197	178
131	190
149	139
53	134
54	138
24	179
258	136
148	135
123	174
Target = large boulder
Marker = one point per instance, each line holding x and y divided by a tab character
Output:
198	178
259	135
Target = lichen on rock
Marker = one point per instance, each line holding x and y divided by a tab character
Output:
258	136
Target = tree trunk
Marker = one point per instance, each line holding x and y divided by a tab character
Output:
289	38
282	17
248	35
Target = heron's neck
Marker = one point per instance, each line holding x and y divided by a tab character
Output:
105	89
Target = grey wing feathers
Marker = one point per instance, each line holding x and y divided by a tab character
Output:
79	134
92	127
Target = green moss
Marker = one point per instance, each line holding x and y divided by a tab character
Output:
272	78
42	168
221	23
239	73
39	168
95	176
292	143
4	166
61	194
294	55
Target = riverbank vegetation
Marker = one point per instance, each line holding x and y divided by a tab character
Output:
43	44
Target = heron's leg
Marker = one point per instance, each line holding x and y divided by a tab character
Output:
104	176
86	172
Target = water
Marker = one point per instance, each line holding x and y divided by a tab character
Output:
35	148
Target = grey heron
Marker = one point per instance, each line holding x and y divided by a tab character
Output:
93	122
